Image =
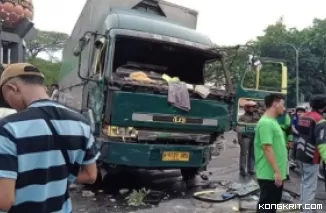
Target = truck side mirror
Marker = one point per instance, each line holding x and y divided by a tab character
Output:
83	41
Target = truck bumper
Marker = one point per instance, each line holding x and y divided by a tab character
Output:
150	155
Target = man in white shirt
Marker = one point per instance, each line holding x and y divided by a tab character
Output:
55	92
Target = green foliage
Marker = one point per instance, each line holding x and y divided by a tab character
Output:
46	42
311	43
276	42
48	68
136	198
213	72
270	77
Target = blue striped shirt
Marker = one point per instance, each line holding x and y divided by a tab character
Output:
29	155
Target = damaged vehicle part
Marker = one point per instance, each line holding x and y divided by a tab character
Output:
118	68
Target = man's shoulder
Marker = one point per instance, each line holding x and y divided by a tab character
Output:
59	112
51	112
14	117
263	120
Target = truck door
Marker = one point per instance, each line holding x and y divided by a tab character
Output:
261	77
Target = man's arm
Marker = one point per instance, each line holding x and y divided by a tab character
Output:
8	170
266	134
293	124
294	129
289	137
88	172
242	118
288	122
320	134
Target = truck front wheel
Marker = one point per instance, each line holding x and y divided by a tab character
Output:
189	173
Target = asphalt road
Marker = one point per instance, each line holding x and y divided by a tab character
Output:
179	196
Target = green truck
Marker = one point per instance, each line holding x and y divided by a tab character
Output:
135	125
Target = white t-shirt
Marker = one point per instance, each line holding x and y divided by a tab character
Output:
6	111
55	95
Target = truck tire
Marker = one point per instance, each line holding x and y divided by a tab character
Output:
189	173
111	184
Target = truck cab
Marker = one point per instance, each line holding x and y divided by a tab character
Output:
135	124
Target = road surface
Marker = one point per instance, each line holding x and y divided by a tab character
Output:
179	199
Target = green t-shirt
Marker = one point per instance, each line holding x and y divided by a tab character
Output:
268	131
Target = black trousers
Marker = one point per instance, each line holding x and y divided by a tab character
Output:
269	194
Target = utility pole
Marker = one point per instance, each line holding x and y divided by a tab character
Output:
297	55
297	74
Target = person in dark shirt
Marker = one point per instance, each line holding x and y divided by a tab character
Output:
43	147
299	111
55	92
311	148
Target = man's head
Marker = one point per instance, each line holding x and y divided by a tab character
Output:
249	106
318	103
275	103
54	86
300	110
21	84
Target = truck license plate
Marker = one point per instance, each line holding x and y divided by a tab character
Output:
175	156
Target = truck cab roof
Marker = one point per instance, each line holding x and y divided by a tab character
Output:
134	20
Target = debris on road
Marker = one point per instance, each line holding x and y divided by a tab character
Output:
123	191
74	187
88	194
136	198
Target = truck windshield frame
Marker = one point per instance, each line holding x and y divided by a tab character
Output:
203	50
160	38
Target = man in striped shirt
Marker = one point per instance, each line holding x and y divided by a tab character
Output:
43	147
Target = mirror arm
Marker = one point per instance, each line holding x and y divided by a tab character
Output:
79	72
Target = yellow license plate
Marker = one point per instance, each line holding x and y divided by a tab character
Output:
175	156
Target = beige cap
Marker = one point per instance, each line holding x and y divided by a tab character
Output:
18	69
250	103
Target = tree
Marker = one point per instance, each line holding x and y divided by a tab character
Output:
312	58
312	64
49	69
46	42
236	60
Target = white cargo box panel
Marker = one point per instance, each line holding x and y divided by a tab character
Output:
95	11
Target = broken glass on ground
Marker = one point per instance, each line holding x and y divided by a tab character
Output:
244	189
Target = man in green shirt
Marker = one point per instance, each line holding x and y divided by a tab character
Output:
270	154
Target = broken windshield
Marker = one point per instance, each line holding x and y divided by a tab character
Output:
160	58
